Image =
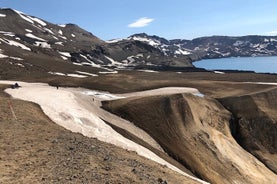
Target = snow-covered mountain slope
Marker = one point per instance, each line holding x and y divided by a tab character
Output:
27	37
212	47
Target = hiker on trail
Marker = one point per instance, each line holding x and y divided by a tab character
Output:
15	86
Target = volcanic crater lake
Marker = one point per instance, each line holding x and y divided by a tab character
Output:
256	64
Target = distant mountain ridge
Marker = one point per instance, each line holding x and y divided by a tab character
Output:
214	46
28	41
27	37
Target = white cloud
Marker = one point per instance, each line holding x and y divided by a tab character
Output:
271	33
142	22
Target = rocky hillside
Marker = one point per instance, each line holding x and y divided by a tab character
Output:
214	46
195	131
254	125
36	150
25	39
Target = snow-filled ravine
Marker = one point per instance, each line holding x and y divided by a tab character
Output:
68	107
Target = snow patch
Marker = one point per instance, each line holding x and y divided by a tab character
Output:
2	15
24	17
19	64
57	73
90	62
73	35
218	72
63	37
113	62
43	45
66	54
14	43
37	20
76	75
61	104
182	52
102	95
3	55
16	58
62	25
110	72
30	35
86	73
11	34
149	71
28	30
114	40
147	40
59	43
48	30
64	58
60	32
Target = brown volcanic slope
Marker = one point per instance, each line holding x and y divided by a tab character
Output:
195	131
33	149
254	125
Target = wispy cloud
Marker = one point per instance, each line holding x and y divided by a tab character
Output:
271	33
142	22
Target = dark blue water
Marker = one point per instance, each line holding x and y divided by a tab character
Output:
257	64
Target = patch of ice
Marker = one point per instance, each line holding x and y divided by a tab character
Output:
14	43
73	35
30	35
43	45
2	15
86	73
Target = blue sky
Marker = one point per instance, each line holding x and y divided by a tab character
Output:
186	19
